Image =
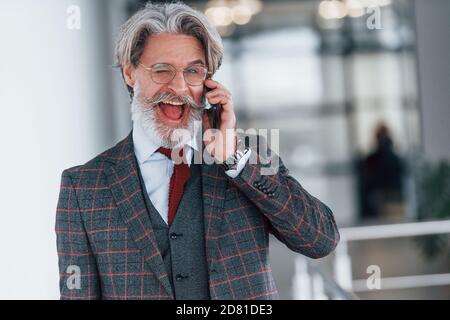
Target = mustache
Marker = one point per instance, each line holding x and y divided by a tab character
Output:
167	96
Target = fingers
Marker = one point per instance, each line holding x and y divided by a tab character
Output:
211	83
219	98
218	92
222	97
216	87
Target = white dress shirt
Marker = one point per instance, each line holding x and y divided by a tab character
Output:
156	169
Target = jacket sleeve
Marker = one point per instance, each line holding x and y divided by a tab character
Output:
299	220
78	276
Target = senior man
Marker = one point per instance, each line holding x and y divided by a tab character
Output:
134	223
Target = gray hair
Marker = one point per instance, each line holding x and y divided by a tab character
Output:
174	17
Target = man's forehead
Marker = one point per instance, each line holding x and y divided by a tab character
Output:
175	49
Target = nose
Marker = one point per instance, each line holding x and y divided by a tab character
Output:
178	84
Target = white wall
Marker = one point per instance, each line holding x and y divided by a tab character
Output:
433	46
56	111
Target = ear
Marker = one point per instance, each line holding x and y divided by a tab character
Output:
128	74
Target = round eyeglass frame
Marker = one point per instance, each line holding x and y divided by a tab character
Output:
175	71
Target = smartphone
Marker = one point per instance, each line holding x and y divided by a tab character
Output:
213	112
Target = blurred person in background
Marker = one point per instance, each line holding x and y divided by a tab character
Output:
381	176
133	223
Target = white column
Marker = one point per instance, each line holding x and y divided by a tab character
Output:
343	266
55	113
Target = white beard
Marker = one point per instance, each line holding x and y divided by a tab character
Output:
143	113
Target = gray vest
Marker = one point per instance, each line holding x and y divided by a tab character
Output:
182	245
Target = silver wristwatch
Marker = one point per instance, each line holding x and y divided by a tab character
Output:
232	162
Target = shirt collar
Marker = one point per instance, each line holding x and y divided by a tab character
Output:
145	146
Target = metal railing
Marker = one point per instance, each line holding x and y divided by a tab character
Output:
310	282
343	265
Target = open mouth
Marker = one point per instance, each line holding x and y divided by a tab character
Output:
173	112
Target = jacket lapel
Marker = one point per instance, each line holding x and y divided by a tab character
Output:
123	179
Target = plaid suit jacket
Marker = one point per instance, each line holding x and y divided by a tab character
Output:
107	247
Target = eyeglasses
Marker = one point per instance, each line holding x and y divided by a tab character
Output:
164	73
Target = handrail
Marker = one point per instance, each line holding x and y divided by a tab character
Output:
343	266
310	282
395	230
334	287
406	282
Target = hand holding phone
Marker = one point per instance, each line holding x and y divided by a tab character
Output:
213	112
218	145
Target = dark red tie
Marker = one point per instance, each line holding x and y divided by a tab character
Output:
180	175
